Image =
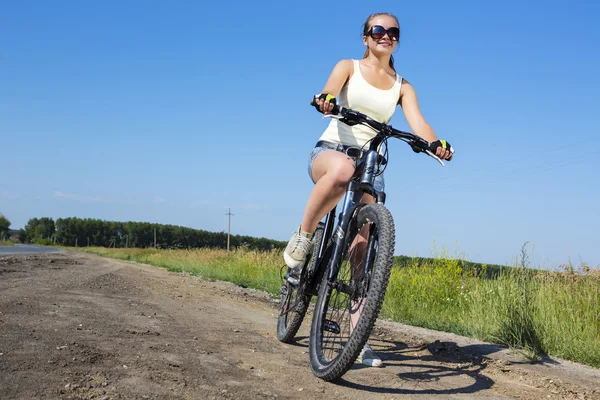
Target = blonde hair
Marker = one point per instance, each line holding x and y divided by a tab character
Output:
367	26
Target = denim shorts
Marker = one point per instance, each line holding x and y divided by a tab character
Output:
378	184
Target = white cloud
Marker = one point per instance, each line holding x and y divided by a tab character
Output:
159	199
248	206
200	204
79	197
9	195
255	207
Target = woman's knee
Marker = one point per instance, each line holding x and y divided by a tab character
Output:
338	167
342	172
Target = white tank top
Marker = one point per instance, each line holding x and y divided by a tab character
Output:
359	95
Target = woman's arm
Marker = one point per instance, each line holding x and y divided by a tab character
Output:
416	121
338	78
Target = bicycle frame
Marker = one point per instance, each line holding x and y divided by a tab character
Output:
352	202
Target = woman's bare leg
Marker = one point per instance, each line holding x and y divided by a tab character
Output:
331	172
357	265
357	255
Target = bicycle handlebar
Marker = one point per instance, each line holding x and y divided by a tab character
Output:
351	117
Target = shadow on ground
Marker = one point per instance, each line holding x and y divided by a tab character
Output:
432	368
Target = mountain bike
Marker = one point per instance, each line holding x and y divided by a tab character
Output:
350	262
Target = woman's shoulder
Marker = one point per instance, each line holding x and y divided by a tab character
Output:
344	68
346	63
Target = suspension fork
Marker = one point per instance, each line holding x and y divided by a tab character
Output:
370	256
316	275
351	201
329	221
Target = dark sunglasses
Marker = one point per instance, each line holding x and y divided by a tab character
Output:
377	32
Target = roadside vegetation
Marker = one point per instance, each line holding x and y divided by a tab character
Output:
538	312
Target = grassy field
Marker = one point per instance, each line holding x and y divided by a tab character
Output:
259	270
539	312
6	243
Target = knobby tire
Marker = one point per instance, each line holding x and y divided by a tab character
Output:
333	367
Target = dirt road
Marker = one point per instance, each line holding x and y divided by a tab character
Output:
78	326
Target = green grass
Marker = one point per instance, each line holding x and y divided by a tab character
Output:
537	312
6	243
259	270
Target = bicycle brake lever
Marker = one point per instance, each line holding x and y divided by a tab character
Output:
430	154
341	118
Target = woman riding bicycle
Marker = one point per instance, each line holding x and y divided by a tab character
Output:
370	86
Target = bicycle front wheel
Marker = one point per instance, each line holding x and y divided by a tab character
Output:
347	308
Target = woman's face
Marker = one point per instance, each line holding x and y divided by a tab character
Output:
383	35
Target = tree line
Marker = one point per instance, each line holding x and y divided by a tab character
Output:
95	232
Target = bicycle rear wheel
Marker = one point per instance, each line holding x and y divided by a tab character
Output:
347	308
295	299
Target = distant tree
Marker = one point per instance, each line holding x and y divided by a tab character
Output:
4	227
96	232
38	230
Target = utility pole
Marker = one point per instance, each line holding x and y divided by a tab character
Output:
229	214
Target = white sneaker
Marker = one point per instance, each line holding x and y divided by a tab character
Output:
297	249
368	357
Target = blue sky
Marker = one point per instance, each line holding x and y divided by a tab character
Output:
172	112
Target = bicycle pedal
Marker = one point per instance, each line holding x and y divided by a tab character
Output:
331	326
292	280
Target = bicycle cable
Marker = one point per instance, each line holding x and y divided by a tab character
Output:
385	155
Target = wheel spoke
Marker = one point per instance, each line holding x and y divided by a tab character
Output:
347	308
341	304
